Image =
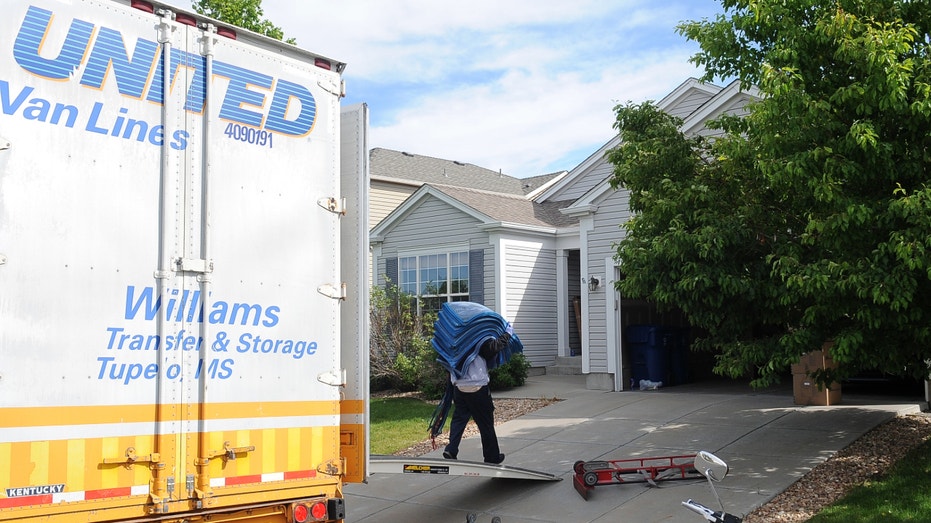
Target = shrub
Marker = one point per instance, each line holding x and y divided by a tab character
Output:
417	369
400	354
511	374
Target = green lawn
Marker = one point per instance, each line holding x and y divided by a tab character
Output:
903	495
398	423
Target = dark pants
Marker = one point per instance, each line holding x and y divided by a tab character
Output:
478	406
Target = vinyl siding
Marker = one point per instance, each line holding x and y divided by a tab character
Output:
531	299
433	223
612	212
736	107
693	101
594	176
384	198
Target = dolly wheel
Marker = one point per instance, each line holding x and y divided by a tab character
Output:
590	479
579	467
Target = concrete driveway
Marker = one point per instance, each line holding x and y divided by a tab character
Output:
768	442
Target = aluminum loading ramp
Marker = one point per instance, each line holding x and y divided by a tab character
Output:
379	464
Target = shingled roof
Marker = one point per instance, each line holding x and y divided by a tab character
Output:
414	168
510	208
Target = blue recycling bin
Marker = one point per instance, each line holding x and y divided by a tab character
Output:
649	353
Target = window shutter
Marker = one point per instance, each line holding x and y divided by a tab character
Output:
391	271
476	275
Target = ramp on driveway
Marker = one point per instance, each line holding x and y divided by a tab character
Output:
379	464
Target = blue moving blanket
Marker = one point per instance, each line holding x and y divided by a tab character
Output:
461	328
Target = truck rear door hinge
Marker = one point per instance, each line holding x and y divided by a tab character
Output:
332	291
333	205
336	378
337	90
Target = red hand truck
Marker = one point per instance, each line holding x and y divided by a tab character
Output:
590	474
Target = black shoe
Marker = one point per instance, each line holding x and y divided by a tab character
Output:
495	461
447	455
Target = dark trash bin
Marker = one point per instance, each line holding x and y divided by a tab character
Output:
649	353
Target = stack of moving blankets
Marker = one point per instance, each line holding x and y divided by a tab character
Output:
460	329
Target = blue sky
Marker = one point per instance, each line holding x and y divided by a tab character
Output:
526	87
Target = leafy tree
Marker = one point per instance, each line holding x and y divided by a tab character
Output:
810	219
697	240
242	13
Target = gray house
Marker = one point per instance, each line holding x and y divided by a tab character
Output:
541	255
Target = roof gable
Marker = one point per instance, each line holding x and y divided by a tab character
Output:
685	99
731	99
409	205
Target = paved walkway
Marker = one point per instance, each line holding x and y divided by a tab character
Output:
767	440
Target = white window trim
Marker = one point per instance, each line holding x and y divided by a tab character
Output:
436	249
445	249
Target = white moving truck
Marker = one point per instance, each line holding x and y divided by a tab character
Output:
183	289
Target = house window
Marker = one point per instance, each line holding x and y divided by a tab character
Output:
435	279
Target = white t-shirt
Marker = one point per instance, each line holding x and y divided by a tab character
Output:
475	377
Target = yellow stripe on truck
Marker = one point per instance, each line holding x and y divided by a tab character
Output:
75	469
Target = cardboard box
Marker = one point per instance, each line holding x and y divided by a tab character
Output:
804	388
814	360
807	392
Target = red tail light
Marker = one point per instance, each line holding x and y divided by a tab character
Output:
318	510
300	513
304	512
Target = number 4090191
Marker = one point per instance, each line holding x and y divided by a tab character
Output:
251	135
